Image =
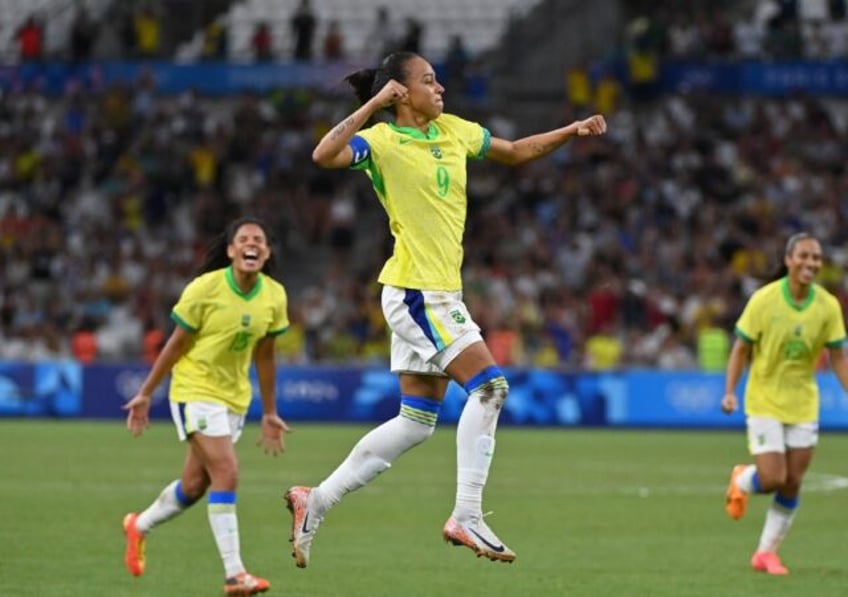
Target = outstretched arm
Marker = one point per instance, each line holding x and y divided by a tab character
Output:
536	146
272	427
138	408
736	363
839	363
333	150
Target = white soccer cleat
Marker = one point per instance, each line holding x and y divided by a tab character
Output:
304	524
477	536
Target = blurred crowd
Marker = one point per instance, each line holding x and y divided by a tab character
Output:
637	249
634	249
770	29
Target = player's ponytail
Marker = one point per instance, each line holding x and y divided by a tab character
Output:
366	83
362	81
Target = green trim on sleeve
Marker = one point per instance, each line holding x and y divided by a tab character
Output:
180	322
836	343
484	148
742	336
280	332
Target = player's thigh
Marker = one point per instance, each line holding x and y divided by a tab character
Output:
211	430
423	386
801	442
471	361
429	329
767	444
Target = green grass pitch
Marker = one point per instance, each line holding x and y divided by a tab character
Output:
590	513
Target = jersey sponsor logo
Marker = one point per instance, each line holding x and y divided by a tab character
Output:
436	151
405	140
245	320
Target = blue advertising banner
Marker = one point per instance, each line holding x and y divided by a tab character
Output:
213	78
633	398
757	78
827	78
42	389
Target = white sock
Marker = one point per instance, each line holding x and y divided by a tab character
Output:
778	520
169	504
745	480
224	523
372	455
475	445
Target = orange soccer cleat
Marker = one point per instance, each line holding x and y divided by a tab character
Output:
245	584
736	501
134	554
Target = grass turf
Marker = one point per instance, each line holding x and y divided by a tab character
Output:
589	513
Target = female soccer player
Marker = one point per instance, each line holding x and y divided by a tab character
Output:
417	166
781	332
227	316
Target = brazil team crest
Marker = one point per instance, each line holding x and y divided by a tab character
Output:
436	151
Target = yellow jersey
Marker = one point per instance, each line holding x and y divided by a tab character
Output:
226	324
420	179
787	341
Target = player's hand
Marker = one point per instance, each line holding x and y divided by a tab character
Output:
594	125
729	404
391	93
271	438
138	414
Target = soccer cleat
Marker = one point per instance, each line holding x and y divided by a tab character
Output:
768	562
304	524
478	537
736	501
134	554
245	584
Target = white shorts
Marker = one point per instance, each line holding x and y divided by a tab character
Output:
770	435
209	418
429	329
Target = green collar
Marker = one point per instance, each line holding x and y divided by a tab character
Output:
231	282
784	286
432	131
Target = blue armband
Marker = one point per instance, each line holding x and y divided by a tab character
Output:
361	150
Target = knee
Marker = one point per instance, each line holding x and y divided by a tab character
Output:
194	488
225	475
792	485
490	386
771	480
495	392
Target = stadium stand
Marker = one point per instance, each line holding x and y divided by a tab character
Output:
56	17
480	22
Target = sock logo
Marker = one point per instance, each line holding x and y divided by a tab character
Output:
497	548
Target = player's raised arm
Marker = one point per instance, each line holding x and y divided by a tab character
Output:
536	146
333	150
